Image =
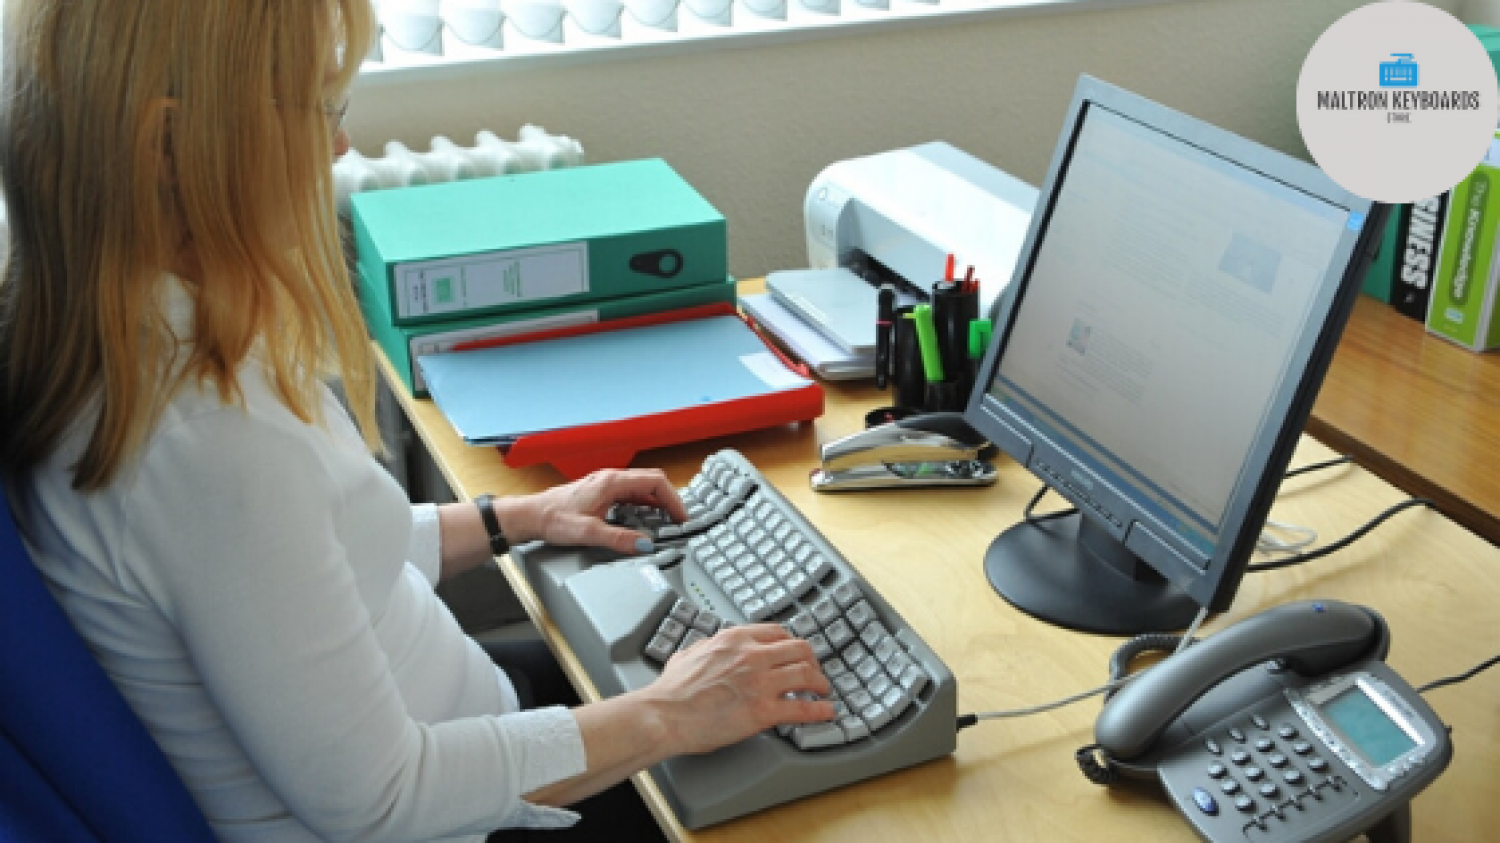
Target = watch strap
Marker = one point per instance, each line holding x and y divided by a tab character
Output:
499	545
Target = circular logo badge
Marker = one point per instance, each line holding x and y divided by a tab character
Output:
1397	101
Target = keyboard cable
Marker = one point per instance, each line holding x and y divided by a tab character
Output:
1118	666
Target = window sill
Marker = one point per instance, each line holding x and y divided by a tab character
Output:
451	57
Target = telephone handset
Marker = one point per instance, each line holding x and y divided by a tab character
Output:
1285	726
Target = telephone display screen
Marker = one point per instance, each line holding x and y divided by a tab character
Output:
1367	729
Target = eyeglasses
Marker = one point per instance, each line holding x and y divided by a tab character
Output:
335	113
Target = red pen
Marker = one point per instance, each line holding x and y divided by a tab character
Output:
948	275
968	286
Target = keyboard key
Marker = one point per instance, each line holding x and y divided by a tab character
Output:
693	637
661	647
834	667
826	611
817	567
873	633
846	684
684	612
756	609
820	647
896	701
855	655
886	650
802	625
913	679
854	728
839	634
867	670
880	685
817	736
798	584
777	598
860	615
673	629
876	716
707	622
859	700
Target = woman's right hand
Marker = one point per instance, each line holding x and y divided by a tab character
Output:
742	681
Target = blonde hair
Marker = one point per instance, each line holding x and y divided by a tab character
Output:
125	125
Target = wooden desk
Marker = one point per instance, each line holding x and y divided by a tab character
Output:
1417	410
1437	584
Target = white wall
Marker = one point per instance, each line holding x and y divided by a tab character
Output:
750	127
1486	12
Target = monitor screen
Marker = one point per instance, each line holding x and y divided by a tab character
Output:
1171	316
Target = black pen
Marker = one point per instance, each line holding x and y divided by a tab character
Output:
884	320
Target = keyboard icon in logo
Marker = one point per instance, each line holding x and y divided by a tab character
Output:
1401	73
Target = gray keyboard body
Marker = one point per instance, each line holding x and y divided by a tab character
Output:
747	555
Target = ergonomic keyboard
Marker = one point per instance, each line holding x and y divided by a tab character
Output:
746	555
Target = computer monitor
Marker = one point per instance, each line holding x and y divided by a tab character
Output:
1169	322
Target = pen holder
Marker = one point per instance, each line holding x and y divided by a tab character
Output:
952	311
907	378
945	396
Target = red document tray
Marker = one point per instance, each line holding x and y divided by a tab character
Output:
578	450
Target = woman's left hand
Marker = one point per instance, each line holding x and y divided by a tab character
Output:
573	513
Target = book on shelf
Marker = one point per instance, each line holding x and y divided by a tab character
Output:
1464	292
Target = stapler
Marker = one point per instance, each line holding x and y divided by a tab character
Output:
934	449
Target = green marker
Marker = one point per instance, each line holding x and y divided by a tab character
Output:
980	332
932	360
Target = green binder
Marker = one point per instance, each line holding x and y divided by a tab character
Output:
518	242
403	344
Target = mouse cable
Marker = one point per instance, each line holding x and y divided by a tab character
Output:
1308	556
1119	664
1032	518
1463	677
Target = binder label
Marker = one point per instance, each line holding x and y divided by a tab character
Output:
514	276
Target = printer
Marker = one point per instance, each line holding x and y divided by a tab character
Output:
908	209
891	217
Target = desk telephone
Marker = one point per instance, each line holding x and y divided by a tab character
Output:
1286	726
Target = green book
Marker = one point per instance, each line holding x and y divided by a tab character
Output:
1462	307
517	242
403	344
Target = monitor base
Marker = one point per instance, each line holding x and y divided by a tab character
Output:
1074	574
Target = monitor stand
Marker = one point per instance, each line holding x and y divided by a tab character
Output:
1073	573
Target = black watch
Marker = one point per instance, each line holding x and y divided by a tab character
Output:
499	544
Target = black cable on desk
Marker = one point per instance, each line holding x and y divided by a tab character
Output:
1308	556
1463	677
